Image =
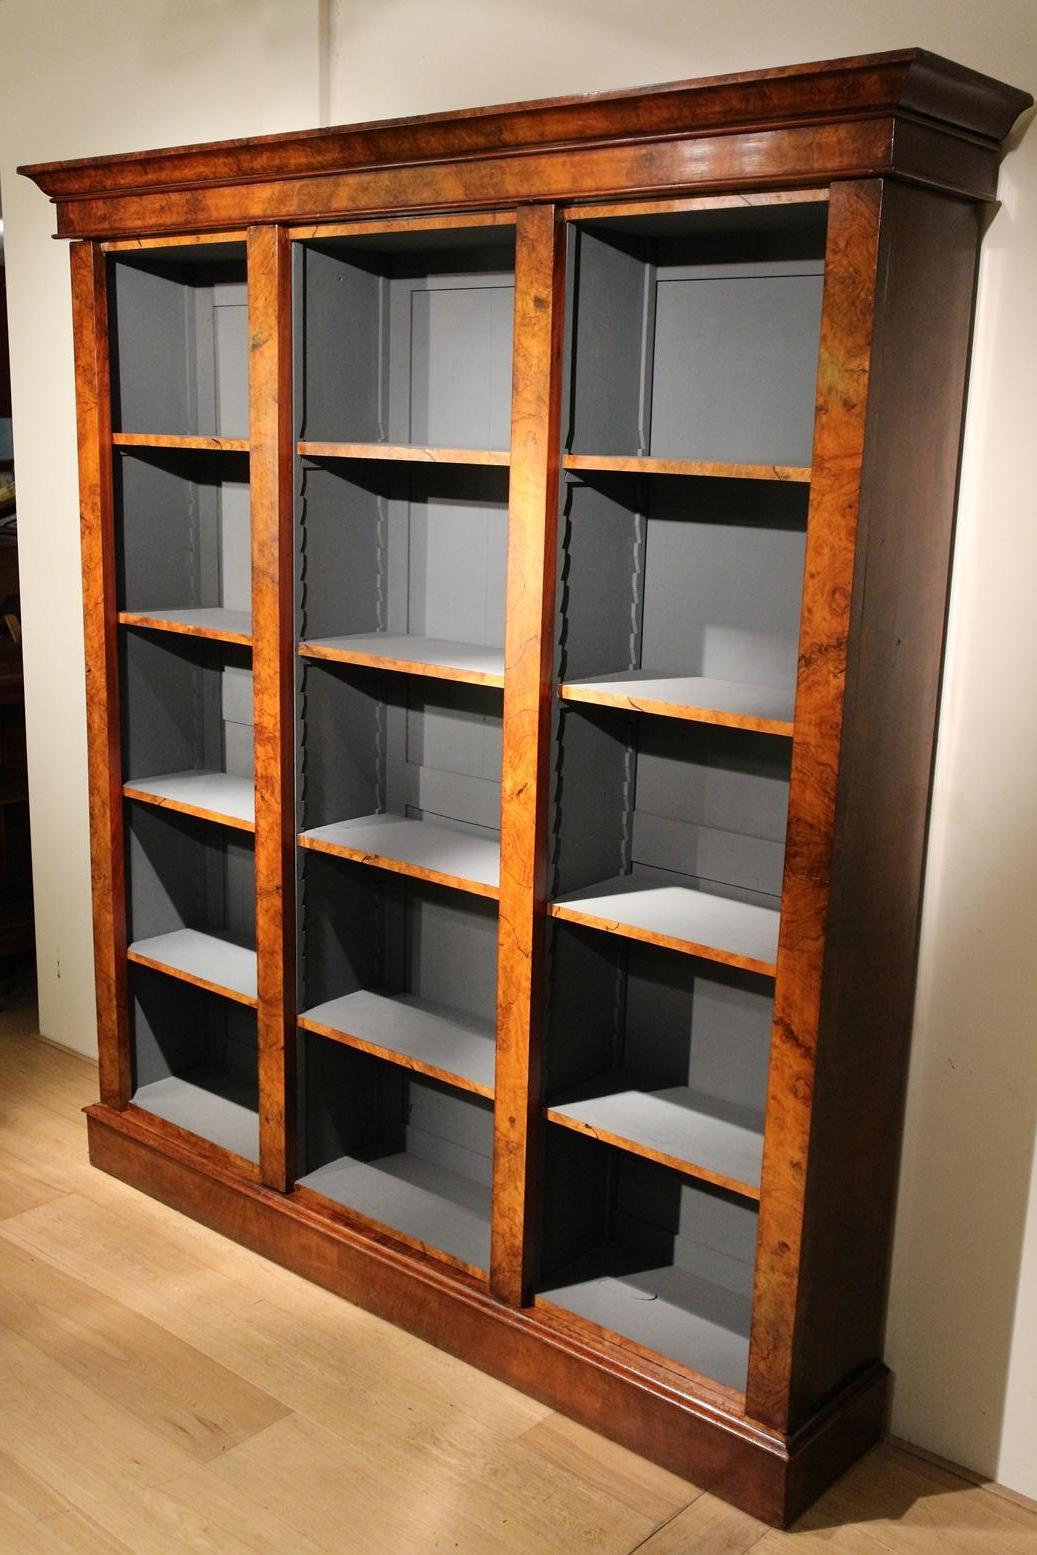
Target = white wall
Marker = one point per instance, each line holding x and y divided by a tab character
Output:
94	77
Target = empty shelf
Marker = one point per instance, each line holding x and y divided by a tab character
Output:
643	464
427	1037
162	440
411	847
214	796
408	453
678	1127
437	1208
469	662
215	1108
682	917
202	959
734	704
667	1310
228	626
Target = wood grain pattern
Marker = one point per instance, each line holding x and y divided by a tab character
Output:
634	703
159	623
97	529
389	225
642	464
204	443
189	977
405	453
273	676
178	240
394	1056
851	266
384	661
205	1149
677	205
528	677
400	867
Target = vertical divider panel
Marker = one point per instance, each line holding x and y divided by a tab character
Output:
100	626
528	687
273	672
851	284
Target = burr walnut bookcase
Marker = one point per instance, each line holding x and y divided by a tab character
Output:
516	548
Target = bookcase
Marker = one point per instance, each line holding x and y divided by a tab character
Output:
516	548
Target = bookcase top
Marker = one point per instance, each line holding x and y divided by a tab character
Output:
812	122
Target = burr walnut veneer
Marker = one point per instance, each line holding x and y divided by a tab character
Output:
515	551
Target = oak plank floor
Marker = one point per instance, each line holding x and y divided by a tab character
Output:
163	1391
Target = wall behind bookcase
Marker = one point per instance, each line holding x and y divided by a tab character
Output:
101	76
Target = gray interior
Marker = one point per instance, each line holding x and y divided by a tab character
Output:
402	549
378	743
178	320
366	929
182	528
186	705
188	874
696	337
649	1255
691	577
194	1060
405	339
664	1050
405	1151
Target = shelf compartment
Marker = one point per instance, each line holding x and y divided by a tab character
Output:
211	796
191	900
419	848
186	708
694	586
695	336
697	698
467	663
649	1256
183	542
194	1061
407	339
399	1150
179	332
643	464
208	962
399	968
212	622
415	553
684	917
671	833
403	773
406	453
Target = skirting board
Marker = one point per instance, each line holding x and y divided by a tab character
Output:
641	1407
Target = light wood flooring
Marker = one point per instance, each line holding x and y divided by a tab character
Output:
162	1390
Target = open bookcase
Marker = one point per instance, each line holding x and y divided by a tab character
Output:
516	550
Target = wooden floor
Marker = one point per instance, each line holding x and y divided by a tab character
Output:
162	1390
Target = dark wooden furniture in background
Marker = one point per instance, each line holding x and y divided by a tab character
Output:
591	638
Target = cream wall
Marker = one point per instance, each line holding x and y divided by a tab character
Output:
94	77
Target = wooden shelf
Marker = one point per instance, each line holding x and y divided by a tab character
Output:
661	1307
637	464
212	796
411	847
683	917
216	445
678	1127
211	1106
733	704
428	1038
405	453
436	1209
469	663
202	959
212	621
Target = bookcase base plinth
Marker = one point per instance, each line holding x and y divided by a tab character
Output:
643	1407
